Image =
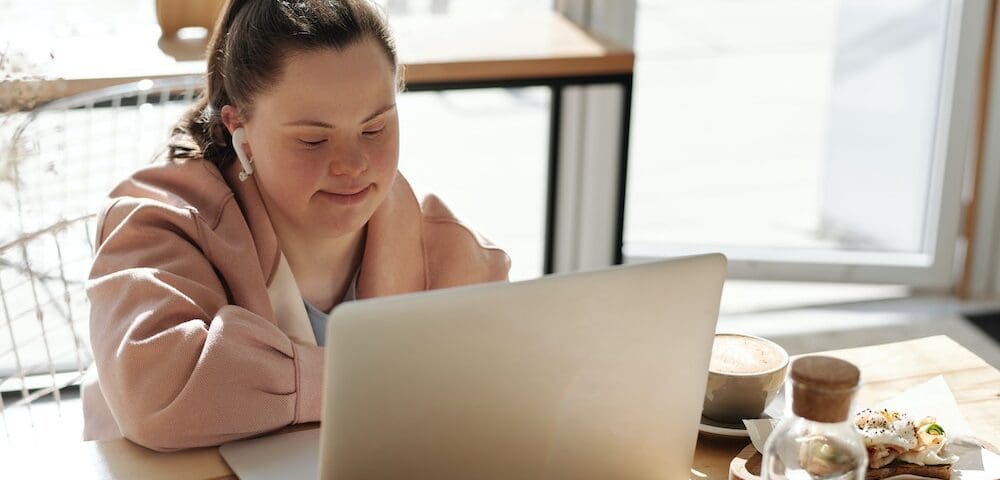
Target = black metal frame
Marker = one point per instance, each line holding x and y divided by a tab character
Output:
557	84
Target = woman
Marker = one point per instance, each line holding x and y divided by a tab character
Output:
214	271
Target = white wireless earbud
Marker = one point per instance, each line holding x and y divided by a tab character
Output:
239	138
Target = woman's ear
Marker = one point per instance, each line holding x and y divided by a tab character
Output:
231	118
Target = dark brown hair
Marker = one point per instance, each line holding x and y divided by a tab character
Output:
246	54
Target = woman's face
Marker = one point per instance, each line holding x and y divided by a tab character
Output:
325	139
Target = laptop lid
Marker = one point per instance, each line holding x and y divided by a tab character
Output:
588	375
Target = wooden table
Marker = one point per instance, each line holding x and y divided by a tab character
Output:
439	53
886	371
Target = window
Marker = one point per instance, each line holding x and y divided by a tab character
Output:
820	140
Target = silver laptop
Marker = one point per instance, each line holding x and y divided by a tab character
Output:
591	375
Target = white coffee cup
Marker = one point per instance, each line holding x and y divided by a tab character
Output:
745	374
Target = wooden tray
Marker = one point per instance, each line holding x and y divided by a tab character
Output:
746	465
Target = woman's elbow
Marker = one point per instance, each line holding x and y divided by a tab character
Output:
162	433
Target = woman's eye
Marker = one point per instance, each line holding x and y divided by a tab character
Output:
315	143
373	132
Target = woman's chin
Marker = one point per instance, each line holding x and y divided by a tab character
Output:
337	226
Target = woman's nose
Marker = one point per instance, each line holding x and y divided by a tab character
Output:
348	162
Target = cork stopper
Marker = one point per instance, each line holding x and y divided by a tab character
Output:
823	387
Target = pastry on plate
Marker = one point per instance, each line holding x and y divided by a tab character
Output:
897	445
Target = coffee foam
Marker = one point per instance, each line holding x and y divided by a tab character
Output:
744	355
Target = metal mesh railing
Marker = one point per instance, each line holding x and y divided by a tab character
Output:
56	169
44	343
64	157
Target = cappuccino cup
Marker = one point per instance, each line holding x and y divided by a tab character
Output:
744	375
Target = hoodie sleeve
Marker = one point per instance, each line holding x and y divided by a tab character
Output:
179	366
456	253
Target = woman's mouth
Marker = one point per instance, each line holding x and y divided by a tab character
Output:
346	198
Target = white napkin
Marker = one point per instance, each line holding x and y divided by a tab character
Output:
932	398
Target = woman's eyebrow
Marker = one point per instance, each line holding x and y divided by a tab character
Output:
378	112
321	124
308	123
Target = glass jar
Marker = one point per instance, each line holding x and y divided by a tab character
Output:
816	439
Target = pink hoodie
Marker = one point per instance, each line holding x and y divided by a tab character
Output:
199	332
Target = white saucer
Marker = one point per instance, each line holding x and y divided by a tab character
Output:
739	430
729	430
